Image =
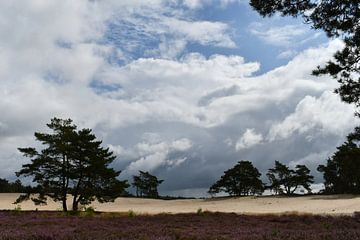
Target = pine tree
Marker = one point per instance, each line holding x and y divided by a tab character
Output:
243	179
285	180
146	185
342	170
72	162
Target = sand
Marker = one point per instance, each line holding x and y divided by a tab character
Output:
342	204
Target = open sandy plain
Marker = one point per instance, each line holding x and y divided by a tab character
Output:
343	204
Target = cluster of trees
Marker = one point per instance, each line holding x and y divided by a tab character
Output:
341	174
146	185
244	179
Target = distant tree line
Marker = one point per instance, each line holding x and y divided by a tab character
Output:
13	187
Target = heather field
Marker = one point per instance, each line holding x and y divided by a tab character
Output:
201	225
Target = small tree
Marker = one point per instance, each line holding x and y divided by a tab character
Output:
72	162
243	179
146	185
285	180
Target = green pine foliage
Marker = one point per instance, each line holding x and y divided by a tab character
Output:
284	180
71	162
241	180
146	185
342	170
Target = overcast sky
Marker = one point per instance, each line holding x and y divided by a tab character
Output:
181	88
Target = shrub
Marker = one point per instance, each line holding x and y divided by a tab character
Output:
17	208
89	211
131	213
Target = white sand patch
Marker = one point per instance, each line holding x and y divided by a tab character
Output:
342	204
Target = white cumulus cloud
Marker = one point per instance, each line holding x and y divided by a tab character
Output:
248	139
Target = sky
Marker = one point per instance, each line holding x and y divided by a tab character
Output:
183	89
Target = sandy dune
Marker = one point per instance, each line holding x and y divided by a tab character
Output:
344	204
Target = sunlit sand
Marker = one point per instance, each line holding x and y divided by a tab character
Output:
343	204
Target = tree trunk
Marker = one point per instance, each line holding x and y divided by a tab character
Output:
64	183
76	203
76	191
75	206
64	205
292	192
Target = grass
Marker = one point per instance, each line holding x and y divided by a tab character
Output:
57	225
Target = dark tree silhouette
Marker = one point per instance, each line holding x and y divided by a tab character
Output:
243	179
285	180
146	185
91	176
342	170
72	162
338	18
50	167
12	187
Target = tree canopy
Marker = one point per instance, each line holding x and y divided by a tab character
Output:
285	180
243	179
71	162
146	185
338	18
342	170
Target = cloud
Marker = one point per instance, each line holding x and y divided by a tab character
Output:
325	114
196	4
289	36
287	54
203	32
163	31
157	104
152	153
249	138
279	36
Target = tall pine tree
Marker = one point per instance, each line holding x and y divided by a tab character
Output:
72	162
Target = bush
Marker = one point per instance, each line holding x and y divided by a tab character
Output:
17	209
131	213
89	211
